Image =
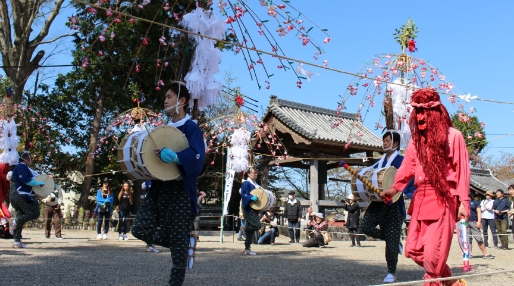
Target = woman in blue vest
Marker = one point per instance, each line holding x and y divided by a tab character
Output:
104	203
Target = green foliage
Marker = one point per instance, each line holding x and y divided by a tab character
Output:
473	132
407	31
112	67
77	100
81	215
118	70
67	220
86	221
37	133
5	83
42	213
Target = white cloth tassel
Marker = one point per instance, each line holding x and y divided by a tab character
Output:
401	98
200	80
239	141
9	143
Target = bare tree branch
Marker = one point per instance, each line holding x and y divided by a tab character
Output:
56	38
46	27
17	49
286	175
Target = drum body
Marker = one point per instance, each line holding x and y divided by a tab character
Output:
45	190
385	179
137	158
127	157
266	199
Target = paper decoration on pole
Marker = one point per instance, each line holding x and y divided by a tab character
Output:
305	72
200	80
8	142
229	182
400	94
239	158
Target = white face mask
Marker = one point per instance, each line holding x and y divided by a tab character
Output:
290	197
176	107
387	149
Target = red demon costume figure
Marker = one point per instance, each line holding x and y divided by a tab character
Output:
437	159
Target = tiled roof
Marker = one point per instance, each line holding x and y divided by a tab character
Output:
509	182
485	181
315	123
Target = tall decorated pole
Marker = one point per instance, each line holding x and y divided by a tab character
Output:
229	182
391	78
405	37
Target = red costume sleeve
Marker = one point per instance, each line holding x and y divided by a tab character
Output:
459	159
407	169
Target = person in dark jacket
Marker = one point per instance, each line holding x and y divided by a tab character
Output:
294	217
501	207
253	223
352	221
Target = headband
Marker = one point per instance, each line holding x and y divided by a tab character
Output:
427	105
179	83
391	131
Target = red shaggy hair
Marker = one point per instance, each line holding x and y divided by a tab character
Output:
431	144
4	184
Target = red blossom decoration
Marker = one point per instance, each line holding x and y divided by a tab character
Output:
412	46
239	100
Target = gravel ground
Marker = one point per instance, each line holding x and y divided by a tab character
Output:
80	259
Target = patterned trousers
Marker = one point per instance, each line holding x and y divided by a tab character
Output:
25	211
390	220
164	219
253	224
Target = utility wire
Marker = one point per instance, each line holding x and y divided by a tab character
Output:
273	54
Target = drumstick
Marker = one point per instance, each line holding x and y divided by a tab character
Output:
116	141
363	180
150	135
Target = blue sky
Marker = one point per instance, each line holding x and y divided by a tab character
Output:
469	41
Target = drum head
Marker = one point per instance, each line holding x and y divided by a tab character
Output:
120	154
388	178
396	197
271	200
262	201
47	189
163	136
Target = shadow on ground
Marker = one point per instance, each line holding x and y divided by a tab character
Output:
82	260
